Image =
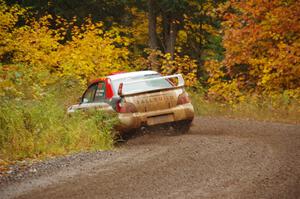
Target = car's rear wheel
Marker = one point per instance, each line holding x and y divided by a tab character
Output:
182	126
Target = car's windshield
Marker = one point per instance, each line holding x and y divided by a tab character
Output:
143	85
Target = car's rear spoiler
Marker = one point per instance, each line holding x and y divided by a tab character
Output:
179	84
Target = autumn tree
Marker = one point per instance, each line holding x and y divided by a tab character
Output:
171	13
262	45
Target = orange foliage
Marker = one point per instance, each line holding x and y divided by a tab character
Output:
262	45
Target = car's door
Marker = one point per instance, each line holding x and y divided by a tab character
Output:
95	98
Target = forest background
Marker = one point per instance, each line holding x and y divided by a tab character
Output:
239	59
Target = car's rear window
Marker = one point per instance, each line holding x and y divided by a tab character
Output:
142	86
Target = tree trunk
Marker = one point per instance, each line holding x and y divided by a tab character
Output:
153	43
166	30
169	33
171	40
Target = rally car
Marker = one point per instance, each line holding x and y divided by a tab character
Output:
141	99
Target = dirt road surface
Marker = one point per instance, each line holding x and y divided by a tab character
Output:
218	158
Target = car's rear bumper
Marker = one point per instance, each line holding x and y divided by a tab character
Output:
130	121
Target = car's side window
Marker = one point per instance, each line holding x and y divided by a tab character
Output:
89	95
100	93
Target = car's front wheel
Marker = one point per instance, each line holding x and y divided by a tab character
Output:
182	126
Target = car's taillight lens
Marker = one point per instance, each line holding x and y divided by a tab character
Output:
125	107
183	98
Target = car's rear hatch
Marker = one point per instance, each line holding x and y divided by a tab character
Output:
152	94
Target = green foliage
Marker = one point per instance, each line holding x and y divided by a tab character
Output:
100	10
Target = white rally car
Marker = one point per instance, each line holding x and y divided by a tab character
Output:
141	99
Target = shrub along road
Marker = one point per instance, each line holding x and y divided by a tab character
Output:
218	158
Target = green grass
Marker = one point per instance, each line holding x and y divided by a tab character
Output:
264	108
41	128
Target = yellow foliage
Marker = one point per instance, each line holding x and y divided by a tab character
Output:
9	15
35	44
38	49
139	28
92	52
163	63
180	65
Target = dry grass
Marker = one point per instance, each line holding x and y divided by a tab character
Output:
265	109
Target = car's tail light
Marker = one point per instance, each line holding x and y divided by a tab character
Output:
125	107
183	98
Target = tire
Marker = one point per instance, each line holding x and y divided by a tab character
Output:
182	126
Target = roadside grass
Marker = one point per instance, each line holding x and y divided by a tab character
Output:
40	129
37	129
263	109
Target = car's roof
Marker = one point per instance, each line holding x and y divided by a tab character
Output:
131	74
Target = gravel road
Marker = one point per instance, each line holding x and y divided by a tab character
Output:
218	158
